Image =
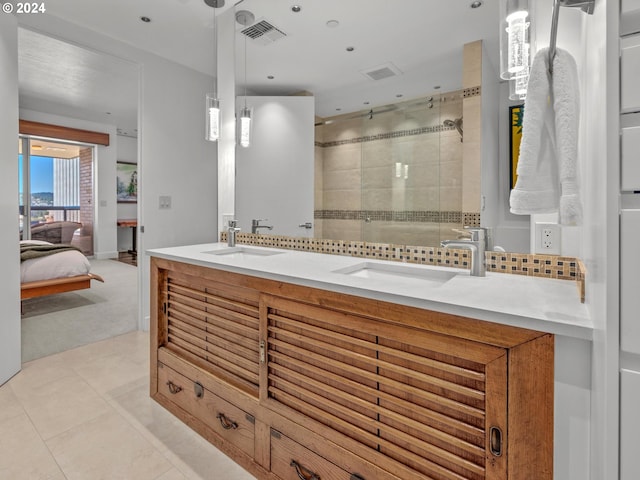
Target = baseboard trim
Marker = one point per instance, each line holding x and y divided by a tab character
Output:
105	255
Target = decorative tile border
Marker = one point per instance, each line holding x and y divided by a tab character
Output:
465	93
422	216
471	219
533	265
471	92
385	136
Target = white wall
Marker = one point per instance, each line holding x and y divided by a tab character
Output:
274	176
105	229
592	40
174	159
10	278
127	152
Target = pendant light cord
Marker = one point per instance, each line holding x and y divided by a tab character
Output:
245	71
215	54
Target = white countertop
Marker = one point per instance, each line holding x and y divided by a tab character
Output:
541	304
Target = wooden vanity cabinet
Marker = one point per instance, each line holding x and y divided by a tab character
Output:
300	383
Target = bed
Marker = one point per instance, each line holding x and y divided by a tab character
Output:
60	271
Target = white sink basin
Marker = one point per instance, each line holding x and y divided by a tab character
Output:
401	273
244	252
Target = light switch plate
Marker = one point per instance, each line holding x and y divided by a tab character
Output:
164	202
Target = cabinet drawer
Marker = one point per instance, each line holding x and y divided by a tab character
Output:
292	461
630	175
629	74
629	299
227	420
629	424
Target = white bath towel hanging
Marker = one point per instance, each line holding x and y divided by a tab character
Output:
547	166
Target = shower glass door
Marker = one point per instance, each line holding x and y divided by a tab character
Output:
407	176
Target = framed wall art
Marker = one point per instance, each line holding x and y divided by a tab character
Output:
127	182
516	114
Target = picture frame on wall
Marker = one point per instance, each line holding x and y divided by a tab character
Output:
516	115
127	182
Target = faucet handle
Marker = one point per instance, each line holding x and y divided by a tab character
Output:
477	233
233	223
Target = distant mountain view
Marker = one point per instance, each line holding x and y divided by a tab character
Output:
42	198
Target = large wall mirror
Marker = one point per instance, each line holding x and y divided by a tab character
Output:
400	168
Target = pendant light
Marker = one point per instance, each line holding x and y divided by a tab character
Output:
515	44
212	103
245	113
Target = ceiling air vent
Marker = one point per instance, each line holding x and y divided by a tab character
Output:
263	32
382	71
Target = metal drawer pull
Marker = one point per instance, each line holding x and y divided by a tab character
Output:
299	468
495	441
173	388
226	424
198	389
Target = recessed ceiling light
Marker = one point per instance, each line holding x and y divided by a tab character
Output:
333	23
271	77
338	109
476	4
145	19
367	103
436	87
398	95
108	113
296	8
350	49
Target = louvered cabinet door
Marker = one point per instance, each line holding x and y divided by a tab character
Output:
212	325
416	403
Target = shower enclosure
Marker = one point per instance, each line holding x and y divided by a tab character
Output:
392	174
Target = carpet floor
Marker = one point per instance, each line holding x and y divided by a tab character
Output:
57	323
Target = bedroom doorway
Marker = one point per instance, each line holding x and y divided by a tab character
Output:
56	192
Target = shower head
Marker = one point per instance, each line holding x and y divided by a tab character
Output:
457	123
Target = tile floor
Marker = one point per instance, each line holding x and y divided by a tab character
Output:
86	414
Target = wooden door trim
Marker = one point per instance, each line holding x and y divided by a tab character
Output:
63	133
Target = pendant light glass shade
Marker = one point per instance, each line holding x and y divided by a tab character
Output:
245	127
212	104
518	87
212	118
515	41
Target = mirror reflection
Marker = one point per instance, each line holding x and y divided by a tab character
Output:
392	174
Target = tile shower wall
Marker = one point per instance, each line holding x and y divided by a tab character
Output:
393	176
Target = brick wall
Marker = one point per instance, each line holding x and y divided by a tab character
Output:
86	200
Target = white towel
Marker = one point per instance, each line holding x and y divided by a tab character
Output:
547	167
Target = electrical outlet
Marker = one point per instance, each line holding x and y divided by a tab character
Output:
547	238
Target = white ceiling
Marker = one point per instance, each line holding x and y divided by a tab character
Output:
422	38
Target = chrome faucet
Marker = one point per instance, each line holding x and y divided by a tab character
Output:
255	225
231	233
477	244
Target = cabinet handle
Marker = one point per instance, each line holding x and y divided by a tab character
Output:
356	476
262	354
226	424
299	468
495	441
198	389
173	388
